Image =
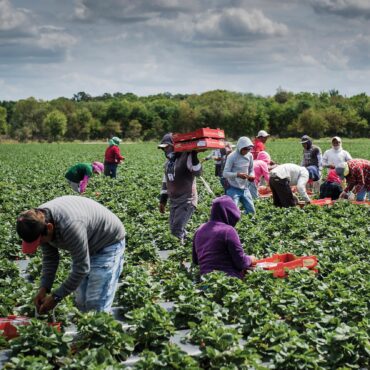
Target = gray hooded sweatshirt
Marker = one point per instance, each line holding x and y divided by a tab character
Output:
239	163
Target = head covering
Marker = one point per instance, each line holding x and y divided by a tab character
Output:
30	228
313	173
305	139
336	147
333	177
225	210
98	167
262	133
166	141
342	170
114	141
264	156
244	142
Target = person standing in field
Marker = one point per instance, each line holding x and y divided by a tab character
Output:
336	155
239	172
259	143
286	175
91	234
216	244
216	155
78	175
112	157
261	170
357	174
179	186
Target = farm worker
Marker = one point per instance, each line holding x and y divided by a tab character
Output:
259	143
78	175
228	150
286	175
216	155
261	170
331	188
239	172
311	157
178	184
216	244
336	155
112	157
357	174
91	234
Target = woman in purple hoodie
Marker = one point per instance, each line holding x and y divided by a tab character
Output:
216	244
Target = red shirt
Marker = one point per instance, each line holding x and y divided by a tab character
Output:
259	146
359	175
113	155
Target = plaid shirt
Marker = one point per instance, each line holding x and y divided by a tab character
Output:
359	175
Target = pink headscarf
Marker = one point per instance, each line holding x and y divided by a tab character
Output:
264	156
98	167
333	177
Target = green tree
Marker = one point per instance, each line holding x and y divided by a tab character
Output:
3	122
312	123
80	124
133	130
56	123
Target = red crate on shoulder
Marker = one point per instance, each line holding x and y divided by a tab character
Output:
280	263
198	145
213	133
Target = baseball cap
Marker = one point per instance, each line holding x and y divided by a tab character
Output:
30	228
166	141
305	139
262	133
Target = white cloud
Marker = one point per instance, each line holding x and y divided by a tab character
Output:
11	18
347	8
51	37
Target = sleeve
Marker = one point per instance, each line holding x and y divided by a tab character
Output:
118	156
356	181
251	166
347	156
194	252
83	184
319	160
75	236
301	186
325	160
240	260
193	164
265	172
228	174
50	263
163	194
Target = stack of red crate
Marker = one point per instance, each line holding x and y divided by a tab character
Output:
201	139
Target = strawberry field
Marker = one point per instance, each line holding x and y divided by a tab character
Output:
166	316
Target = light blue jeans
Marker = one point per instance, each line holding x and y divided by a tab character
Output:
242	195
96	291
362	194
253	189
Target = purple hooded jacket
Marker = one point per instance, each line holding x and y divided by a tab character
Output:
216	244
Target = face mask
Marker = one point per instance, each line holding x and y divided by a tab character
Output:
336	147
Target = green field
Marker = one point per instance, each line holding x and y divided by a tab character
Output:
305	321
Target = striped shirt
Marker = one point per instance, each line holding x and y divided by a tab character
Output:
82	227
359	175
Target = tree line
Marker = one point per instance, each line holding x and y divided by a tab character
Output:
128	116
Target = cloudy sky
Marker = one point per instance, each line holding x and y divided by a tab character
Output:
52	48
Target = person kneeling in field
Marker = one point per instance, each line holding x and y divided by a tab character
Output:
95	239
357	174
78	175
331	188
286	175
178	184
216	244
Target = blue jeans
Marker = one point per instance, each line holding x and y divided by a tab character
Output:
362	194
110	169
242	195
253	189
96	291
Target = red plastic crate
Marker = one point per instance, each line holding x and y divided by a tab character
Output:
279	263
264	192
201	144
322	202
9	324
213	133
362	202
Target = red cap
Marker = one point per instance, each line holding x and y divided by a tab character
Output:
30	248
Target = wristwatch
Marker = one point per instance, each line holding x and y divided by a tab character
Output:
56	298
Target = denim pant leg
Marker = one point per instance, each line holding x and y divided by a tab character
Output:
180	215
234	194
96	291
362	194
253	189
247	202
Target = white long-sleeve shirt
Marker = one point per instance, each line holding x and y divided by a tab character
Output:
297	175
335	157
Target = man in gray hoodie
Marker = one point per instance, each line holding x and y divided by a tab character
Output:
239	172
